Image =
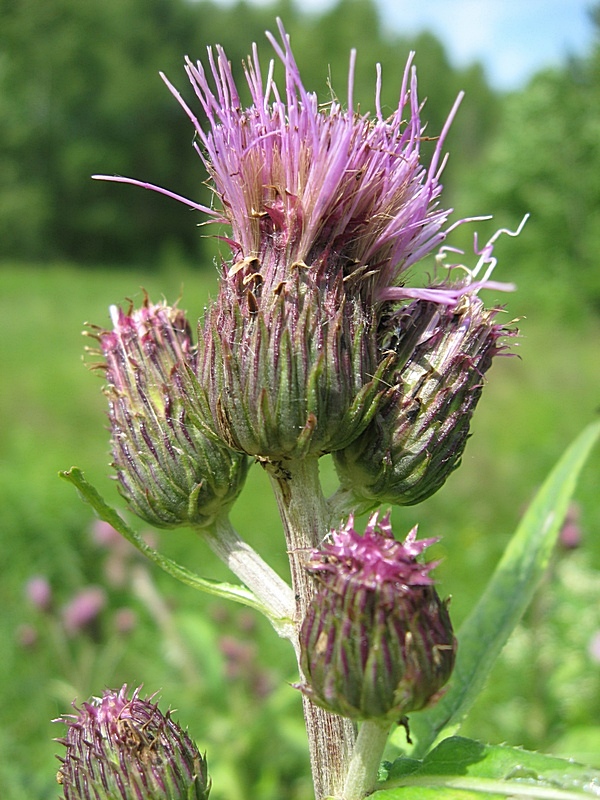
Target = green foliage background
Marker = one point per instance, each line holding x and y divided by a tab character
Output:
79	94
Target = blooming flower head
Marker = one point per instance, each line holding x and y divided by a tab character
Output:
124	748
329	188
323	186
376	641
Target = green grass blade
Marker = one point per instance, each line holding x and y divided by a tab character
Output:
486	630
226	590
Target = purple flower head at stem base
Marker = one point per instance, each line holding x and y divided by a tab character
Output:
124	748
376	642
171	469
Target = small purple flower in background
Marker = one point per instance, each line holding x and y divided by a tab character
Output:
39	592
83	610
124	621
570	533
120	554
376	642
106	536
124	747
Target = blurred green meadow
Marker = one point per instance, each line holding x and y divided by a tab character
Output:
219	665
532	151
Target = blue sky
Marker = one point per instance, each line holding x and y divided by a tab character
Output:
512	38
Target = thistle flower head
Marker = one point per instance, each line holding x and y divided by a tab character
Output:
325	207
376	641
123	748
418	437
301	183
325	186
171	469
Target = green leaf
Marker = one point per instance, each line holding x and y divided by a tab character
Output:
226	590
486	630
463	769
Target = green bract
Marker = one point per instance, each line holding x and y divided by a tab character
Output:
410	448
290	370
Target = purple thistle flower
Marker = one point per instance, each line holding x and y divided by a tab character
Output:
121	748
376	641
299	183
304	182
375	555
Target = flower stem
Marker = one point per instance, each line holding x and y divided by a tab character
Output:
366	758
306	520
275	594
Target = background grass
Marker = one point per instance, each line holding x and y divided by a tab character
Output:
222	668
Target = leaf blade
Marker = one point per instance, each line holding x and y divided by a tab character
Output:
486	630
469	770
225	590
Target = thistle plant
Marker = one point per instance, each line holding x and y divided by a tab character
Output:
318	343
125	748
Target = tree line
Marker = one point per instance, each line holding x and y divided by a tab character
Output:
80	94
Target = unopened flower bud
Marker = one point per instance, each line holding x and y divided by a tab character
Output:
376	642
418	438
290	369
172	469
126	749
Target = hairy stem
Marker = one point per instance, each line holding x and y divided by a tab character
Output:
306	521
